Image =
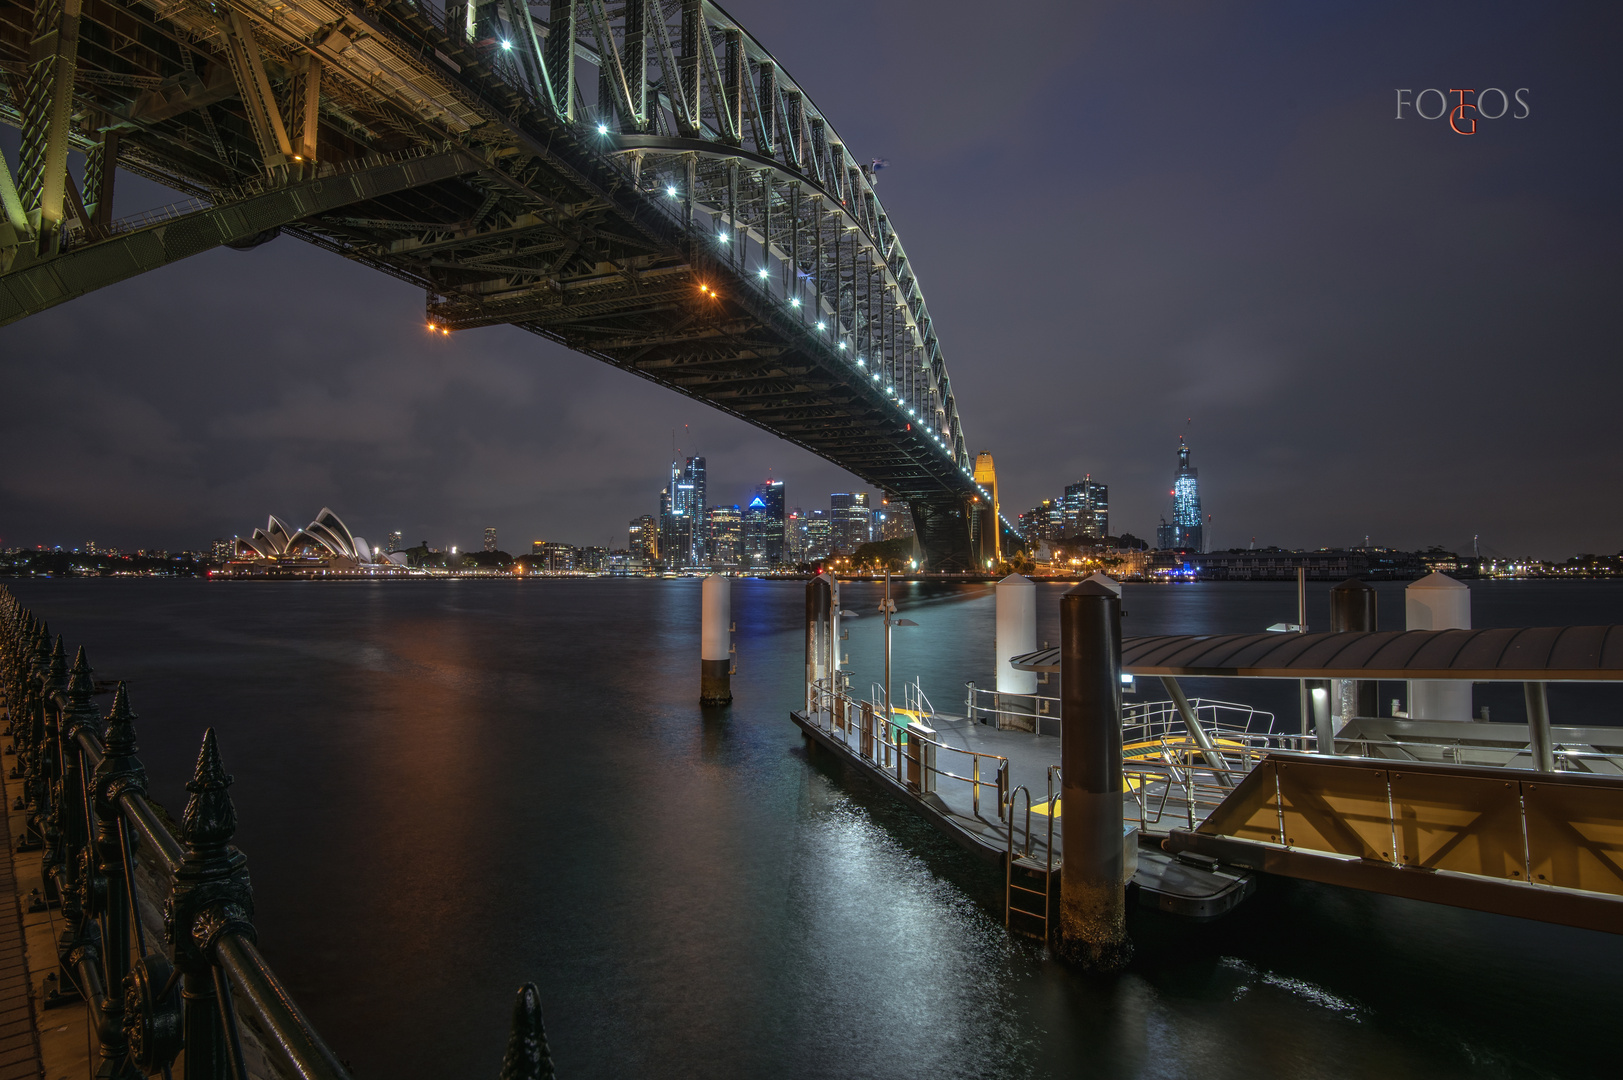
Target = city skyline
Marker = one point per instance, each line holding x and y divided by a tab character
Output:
1300	272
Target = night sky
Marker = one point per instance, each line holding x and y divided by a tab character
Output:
1130	221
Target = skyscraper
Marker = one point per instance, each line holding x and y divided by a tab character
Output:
850	521
818	537
490	539
1187	531
1087	510
644	538
394	540
763	526
895	520
725	527
794	536
681	516
1045	521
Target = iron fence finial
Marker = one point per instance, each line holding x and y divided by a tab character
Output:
527	1057
210	819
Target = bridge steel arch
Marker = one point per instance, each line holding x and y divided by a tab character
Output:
642	182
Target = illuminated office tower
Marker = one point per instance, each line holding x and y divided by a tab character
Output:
1087	510
725	527
895	520
681	516
819	537
1187	531
643	539
764	526
490	539
850	521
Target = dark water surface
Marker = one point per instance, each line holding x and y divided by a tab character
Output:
449	788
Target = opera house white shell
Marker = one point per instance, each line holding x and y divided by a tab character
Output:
327	537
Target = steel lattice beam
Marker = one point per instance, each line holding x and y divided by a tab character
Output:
34	286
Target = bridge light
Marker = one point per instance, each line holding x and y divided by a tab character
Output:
602	129
722	237
763	271
820	326
507	44
671	191
795	302
842	345
861	362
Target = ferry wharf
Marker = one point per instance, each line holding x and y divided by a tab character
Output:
1180	805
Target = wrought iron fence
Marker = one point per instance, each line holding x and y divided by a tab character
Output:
156	986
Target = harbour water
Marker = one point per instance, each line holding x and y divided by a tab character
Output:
449	788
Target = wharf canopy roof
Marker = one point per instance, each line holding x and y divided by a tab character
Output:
1520	654
326	535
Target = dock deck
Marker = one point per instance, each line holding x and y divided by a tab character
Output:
1185	886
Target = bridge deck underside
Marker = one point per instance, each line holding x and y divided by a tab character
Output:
552	235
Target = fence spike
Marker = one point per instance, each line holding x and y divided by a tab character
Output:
120	734
59	663
79	685
210	819
527	1056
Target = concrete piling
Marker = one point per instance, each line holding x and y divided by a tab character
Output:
1093	874
716	642
1353	608
1438	602
822	597
1016	634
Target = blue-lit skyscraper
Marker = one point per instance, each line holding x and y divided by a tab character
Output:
763	526
1187	531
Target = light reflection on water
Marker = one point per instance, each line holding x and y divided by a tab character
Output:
449	788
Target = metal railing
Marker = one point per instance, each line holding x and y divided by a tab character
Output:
991	706
1141	720
888	745
105	848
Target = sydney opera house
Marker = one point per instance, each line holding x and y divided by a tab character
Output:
324	545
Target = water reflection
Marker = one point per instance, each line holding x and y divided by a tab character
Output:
448	789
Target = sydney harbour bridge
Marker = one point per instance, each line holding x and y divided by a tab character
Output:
640	181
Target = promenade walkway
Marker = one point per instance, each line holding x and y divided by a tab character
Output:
19	1033
34	1044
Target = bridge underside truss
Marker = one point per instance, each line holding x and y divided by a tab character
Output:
642	183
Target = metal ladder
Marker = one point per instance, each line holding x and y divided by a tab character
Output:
1010	910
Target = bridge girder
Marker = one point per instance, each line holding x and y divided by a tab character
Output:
698	223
